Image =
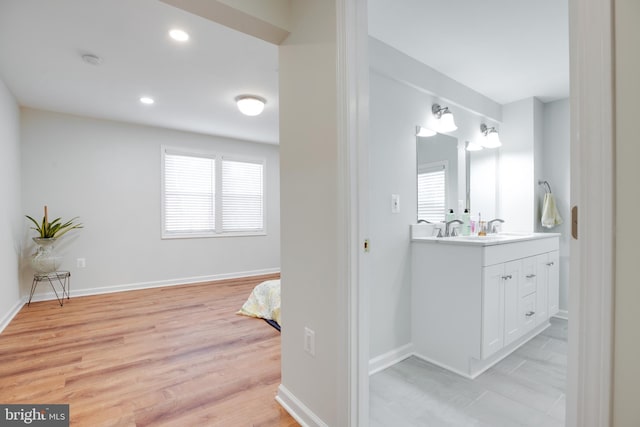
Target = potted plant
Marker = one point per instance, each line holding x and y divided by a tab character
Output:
44	260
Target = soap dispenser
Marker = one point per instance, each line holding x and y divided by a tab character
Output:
450	216
466	223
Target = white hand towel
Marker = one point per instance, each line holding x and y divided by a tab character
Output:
550	215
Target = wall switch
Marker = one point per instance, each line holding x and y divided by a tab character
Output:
80	263
395	203
309	341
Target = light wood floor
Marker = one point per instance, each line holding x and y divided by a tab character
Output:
173	356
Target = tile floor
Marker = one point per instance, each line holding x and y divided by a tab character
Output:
525	389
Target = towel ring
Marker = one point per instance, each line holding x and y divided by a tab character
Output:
546	185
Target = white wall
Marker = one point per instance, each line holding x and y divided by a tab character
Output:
10	211
626	369
400	99
309	174
553	164
518	135
108	173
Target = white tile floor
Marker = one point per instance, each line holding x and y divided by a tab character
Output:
525	389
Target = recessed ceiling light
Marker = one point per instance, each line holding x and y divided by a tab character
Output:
179	35
250	105
146	100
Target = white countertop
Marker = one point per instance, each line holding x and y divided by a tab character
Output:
488	240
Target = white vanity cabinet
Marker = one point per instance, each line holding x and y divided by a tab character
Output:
476	301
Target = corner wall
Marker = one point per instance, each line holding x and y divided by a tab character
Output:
109	174
10	207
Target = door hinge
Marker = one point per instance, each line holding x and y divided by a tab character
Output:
574	222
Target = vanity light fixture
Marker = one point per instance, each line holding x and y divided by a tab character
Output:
250	105
492	139
445	117
424	132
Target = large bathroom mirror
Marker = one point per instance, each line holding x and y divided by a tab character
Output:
438	170
450	177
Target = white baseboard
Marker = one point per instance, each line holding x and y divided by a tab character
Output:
298	410
4	322
47	296
390	358
562	314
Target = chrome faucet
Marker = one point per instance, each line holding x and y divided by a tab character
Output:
491	227
451	231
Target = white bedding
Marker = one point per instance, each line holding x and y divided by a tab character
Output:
264	301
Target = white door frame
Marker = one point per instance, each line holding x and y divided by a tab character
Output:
592	190
353	125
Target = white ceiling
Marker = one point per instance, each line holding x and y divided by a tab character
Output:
506	49
194	84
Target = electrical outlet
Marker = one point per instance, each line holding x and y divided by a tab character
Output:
310	341
81	263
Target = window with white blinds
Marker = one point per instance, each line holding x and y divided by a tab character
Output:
431	193
209	195
242	196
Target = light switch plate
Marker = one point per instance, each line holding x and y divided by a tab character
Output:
395	203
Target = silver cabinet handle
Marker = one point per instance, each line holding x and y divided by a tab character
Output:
550	263
530	313
507	277
530	276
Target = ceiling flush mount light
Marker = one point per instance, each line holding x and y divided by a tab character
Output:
179	35
424	132
445	117
492	139
147	100
250	105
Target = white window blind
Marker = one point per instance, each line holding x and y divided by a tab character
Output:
209	195
242	196
189	194
431	193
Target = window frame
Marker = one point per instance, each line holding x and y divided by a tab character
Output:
218	158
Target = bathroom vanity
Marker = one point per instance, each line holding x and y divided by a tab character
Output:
477	299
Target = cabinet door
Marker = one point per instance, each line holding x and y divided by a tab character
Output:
492	309
512	321
542	289
553	280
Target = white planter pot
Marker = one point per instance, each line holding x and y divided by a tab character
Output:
44	260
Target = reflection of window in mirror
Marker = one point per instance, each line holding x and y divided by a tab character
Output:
432	184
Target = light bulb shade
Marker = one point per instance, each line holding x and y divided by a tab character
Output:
250	105
445	118
424	132
491	137
447	124
493	140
